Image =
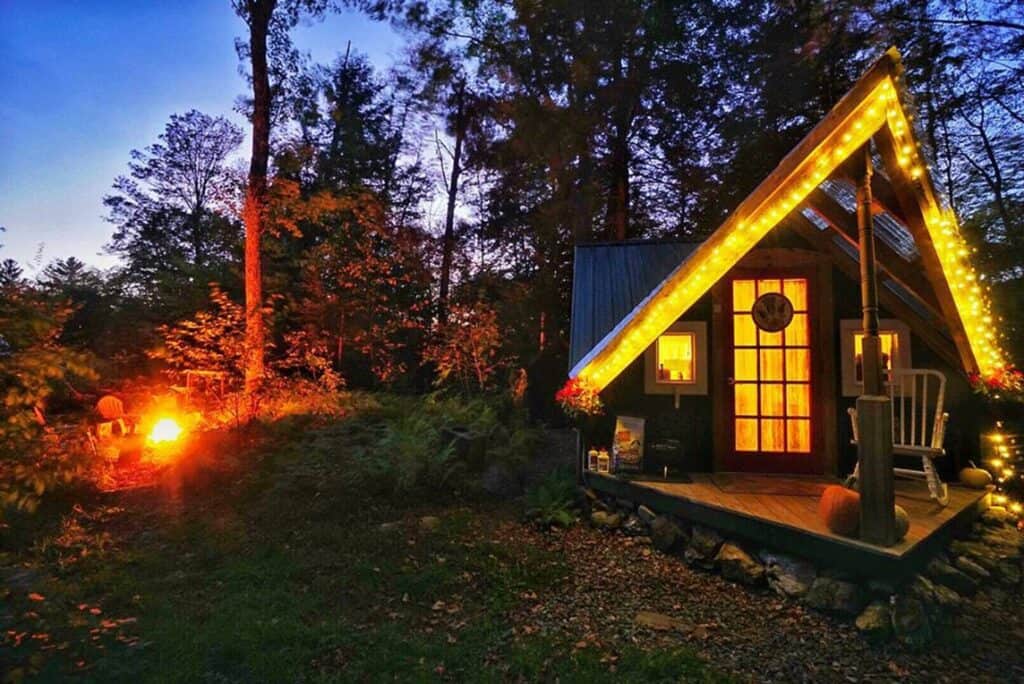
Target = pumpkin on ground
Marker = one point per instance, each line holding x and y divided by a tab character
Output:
839	509
975	478
902	522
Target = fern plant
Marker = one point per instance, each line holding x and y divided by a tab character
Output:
553	501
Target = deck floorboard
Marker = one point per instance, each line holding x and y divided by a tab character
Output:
791	520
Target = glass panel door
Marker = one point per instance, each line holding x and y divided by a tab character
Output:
771	370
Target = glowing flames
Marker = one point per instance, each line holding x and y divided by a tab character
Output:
165	430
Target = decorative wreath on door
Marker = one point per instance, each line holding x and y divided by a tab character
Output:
772	312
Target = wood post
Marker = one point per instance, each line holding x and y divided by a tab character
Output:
874	411
872	350
874	449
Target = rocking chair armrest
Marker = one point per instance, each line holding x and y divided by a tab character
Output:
939	430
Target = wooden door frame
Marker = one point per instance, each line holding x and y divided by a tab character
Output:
823	340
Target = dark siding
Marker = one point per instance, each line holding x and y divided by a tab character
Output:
967	418
609	280
689	425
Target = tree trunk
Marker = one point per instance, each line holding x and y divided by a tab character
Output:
448	244
618	193
260	12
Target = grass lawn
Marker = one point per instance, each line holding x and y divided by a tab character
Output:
268	561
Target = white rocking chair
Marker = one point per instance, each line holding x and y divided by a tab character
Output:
918	425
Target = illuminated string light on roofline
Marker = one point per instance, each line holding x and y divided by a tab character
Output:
716	256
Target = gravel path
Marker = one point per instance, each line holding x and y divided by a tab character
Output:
751	634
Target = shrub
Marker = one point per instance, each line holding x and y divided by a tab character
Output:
212	339
34	457
409	453
466	349
392	444
306	354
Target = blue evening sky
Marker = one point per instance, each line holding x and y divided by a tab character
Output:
85	82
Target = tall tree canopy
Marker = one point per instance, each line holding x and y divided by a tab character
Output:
174	213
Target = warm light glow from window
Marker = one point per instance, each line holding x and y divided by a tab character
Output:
890	352
675	352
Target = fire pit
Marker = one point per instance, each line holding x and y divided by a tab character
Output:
163	431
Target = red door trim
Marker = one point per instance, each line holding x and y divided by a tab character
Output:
772	462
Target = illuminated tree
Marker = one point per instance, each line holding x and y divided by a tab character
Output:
366	288
268	45
212	339
466	349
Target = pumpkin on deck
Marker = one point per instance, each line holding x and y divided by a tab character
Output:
839	509
975	478
902	522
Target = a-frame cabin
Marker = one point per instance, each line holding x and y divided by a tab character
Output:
742	353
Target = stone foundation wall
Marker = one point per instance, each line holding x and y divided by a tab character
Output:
984	567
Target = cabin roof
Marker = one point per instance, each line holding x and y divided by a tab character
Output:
610	279
919	240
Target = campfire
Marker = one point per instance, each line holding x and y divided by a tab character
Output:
164	430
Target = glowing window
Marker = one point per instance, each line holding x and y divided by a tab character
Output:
890	353
675	358
894	339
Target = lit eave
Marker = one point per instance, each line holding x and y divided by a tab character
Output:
952	250
879	108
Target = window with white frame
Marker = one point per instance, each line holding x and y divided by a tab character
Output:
677	361
894	336
674	352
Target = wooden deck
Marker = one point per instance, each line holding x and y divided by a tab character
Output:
785	518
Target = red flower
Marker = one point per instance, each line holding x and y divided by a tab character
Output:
578	397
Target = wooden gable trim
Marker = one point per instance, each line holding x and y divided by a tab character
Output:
872	108
924	329
895	266
912	201
844	129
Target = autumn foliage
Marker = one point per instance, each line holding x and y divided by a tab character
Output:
466	349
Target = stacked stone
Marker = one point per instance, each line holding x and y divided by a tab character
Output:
983	568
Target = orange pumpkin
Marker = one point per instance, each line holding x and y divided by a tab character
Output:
110	407
839	509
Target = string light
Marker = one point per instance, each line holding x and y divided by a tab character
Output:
720	253
1000	463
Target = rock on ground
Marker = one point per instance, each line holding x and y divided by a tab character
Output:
970	567
788	576
910	622
646	514
875	622
658	621
738	565
945	574
704	544
605	520
633	526
835	595
665	533
429	523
